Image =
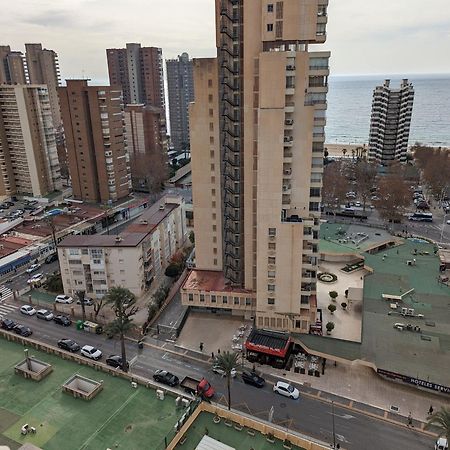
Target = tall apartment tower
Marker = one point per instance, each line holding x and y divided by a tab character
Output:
29	160
139	72
93	120
147	144
390	122
43	68
257	140
11	66
180	86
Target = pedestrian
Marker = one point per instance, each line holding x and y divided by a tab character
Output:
430	411
410	422
201	346
157	328
218	351
212	355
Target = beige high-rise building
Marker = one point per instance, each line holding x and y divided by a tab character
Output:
93	120
11	66
43	68
257	140
28	157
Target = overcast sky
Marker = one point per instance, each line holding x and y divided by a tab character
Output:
380	36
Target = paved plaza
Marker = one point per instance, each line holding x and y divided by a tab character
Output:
120	417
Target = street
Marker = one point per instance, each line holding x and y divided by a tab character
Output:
308	415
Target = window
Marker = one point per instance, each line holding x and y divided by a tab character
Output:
272	246
236	300
271	287
209	83
213	299
224	299
74	261
271	301
191	297
270	27
271	260
84	251
271	273
272	231
211	112
270	7
215	261
73	251
202	297
210	98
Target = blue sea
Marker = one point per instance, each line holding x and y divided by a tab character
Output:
350	101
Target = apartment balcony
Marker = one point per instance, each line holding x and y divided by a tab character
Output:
288	124
287	175
322	17
317	89
287	156
287	188
289	107
287	141
290	69
286	201
290	90
318	137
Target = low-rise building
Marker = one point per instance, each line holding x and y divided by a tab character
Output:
133	259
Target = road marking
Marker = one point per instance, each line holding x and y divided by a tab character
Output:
341	438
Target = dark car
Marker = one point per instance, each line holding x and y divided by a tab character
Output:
22	330
253	379
62	320
8	324
69	345
162	376
51	258
115	361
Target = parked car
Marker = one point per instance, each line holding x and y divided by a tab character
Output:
87	301
44	314
51	258
8	324
22	330
63	299
9	204
286	389
69	345
253	379
441	444
28	310
36	279
91	352
62	320
164	377
115	361
217	369
33	268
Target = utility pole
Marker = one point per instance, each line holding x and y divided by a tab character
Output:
49	220
334	433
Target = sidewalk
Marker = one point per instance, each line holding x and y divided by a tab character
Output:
363	389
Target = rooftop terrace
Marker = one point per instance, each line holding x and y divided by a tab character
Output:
120	417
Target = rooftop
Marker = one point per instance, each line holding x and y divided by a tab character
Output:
119	417
103	240
209	281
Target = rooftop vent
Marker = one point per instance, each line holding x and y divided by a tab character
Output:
144	222
118	239
162	206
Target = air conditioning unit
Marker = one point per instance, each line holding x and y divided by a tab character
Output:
162	206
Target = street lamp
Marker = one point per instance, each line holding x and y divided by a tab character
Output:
443	227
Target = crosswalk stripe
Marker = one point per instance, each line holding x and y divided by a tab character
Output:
5	309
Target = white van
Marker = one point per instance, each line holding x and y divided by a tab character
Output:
441	444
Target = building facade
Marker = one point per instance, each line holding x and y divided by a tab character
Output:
93	119
139	72
147	144
12	69
133	259
180	85
257	139
28	154
43	68
390	122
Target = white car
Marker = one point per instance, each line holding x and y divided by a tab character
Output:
36	278
91	352
63	299
28	310
448	222
286	389
33	268
441	444
221	372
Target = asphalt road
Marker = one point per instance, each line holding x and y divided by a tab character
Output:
19	280
308	415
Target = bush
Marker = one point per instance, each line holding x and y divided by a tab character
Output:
333	295
344	305
54	283
330	326
173	270
332	308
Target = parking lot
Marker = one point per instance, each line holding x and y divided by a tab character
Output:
11	210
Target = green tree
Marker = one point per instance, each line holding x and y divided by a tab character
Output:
227	361
329	326
123	303
173	270
331	308
333	295
440	420
81	296
54	283
98	306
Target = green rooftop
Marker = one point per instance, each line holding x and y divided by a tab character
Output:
119	417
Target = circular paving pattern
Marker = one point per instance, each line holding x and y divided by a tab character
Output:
327	277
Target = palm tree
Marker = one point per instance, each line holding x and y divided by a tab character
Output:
440	420
344	151
82	298
227	361
123	303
